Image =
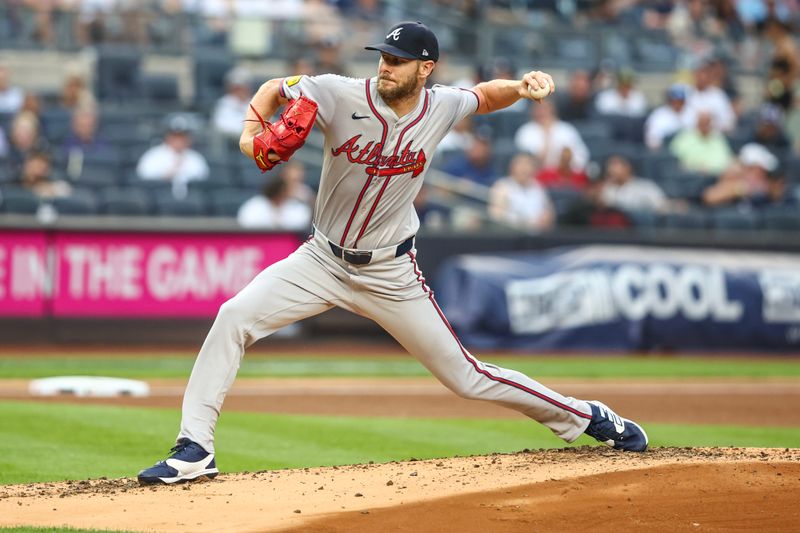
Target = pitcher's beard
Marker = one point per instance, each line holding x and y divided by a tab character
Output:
398	92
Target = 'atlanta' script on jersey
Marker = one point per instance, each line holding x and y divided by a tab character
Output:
382	165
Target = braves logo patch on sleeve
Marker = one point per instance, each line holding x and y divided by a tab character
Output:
294	80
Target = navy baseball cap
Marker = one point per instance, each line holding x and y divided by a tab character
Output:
410	40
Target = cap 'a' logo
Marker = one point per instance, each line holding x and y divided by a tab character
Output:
425	52
395	34
293	80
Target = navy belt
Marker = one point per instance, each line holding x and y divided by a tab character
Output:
364	257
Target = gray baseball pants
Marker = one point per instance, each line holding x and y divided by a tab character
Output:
392	292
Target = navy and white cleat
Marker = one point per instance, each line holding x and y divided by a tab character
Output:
188	461
613	430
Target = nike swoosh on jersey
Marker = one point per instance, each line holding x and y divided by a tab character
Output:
358	117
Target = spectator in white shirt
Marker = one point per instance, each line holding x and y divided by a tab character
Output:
545	136
706	97
174	160
518	199
668	118
275	209
231	108
624	191
623	99
11	97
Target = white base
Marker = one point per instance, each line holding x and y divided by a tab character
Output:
88	386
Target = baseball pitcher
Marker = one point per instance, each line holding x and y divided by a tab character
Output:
380	134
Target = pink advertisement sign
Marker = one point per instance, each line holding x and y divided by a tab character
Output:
159	274
23	273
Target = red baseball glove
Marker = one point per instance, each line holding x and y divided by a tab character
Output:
278	142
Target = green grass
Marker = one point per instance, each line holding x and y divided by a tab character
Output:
176	366
48	442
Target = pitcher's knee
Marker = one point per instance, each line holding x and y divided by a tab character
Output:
464	390
232	317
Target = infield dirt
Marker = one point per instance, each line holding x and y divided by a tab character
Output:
578	489
574	489
763	402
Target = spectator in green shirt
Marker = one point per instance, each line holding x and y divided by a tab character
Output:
702	149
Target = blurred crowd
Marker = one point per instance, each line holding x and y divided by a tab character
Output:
606	157
692	24
597	153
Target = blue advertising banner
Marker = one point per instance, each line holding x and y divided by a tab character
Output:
624	298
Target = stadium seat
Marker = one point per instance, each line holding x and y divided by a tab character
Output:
600	147
501	157
505	124
210	67
575	50
732	219
226	202
249	176
693	219
592	129
659	165
563	199
229	148
160	88
313	173
201	145
126	201
781	218
6	174
5	121
18	200
517	42
618	47
118	73
625	128
748	119
791	168
111	156
738	138
672	168
80	202
643	219
135	150
193	205
56	123
654	52
98	175
154	188
122	133
221	175
686	185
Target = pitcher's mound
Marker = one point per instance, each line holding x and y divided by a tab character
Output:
574	489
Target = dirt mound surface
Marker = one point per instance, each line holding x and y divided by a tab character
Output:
666	489
665	498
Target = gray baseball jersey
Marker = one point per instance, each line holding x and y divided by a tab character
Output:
374	166
374	162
